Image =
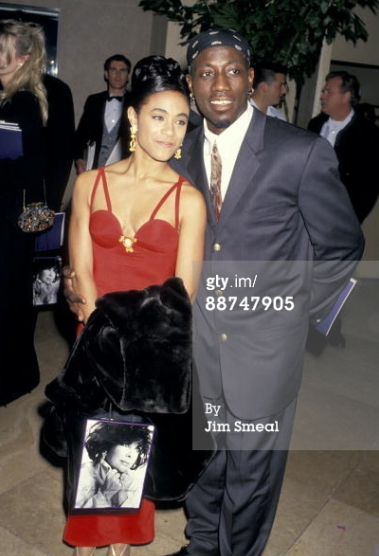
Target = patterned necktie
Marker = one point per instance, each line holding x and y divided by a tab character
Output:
215	181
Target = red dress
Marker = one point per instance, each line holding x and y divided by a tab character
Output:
151	261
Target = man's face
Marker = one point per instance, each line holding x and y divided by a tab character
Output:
220	80
335	103
278	89
117	76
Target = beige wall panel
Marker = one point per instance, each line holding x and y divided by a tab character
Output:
364	52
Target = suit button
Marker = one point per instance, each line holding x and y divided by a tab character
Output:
216	247
223	337
219	292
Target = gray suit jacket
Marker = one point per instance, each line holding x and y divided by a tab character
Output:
288	224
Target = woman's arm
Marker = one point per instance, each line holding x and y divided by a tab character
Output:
193	217
80	244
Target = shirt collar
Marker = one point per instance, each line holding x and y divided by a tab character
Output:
236	129
340	124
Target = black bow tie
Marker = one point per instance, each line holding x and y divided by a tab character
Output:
117	98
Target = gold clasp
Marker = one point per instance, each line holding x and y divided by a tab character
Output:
128	242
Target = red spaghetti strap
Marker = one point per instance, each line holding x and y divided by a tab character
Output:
165	196
101	174
98	176
177	202
106	192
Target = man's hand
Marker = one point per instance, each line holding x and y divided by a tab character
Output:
73	299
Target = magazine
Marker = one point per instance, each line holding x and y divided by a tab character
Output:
10	140
326	324
52	238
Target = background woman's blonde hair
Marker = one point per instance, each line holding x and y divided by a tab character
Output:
28	39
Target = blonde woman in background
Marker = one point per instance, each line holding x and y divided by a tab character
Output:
22	101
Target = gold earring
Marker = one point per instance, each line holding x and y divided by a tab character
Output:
133	138
178	153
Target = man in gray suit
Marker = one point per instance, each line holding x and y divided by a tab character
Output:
282	248
286	234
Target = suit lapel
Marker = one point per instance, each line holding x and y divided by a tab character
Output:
246	166
195	169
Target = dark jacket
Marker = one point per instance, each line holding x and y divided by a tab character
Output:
357	150
134	357
90	128
60	130
292	211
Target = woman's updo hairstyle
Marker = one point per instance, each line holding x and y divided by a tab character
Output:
156	74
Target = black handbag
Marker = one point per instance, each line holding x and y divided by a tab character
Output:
35	217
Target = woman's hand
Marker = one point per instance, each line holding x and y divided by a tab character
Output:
73	299
115	488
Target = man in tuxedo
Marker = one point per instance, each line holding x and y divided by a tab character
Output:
282	241
97	138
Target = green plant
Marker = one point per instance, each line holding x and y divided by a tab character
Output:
289	32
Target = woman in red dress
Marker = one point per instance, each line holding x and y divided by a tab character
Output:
136	223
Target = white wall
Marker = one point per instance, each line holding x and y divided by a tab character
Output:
364	52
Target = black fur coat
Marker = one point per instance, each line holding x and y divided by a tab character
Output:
134	357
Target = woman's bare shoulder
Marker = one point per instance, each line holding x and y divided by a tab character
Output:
86	179
191	192
192	202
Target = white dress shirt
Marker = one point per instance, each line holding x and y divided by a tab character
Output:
272	111
331	128
113	111
228	143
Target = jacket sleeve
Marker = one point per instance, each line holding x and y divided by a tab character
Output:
85	130
323	200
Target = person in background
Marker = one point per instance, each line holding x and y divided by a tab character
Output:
269	89
355	139
98	135
136	223
22	101
60	132
356	142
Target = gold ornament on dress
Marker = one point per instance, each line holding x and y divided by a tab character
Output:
178	153
133	138
128	242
